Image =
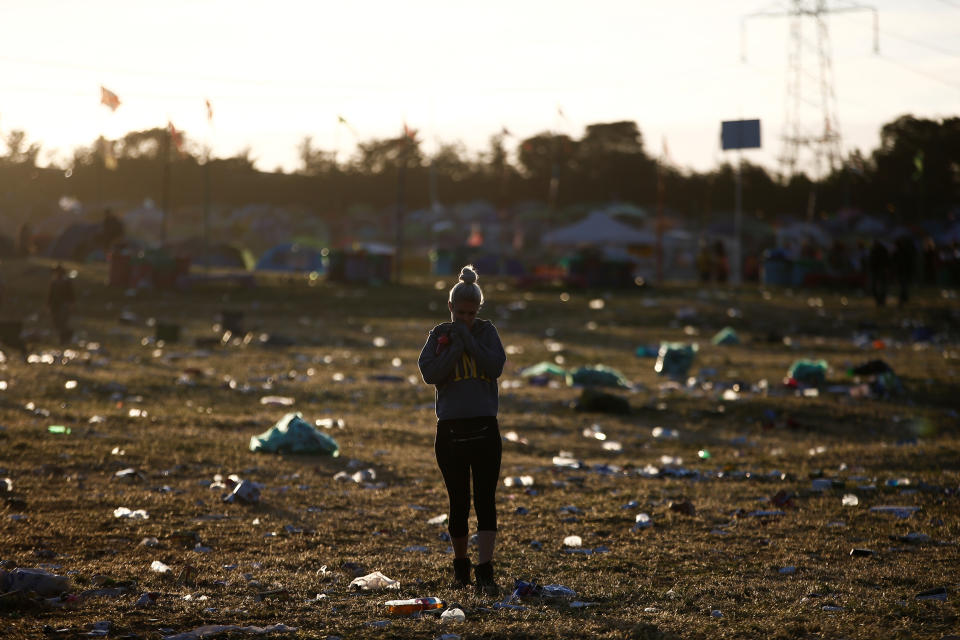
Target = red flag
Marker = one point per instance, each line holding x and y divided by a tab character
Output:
175	136
209	110
408	132
109	98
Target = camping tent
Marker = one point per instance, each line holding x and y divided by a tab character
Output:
76	242
598	229
214	254
291	256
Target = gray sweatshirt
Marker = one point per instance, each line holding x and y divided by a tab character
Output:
464	364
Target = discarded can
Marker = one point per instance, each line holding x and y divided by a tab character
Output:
406	607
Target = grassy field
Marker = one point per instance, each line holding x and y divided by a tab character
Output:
180	413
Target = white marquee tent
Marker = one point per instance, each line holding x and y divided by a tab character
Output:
598	229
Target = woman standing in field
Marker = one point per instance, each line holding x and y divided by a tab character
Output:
463	358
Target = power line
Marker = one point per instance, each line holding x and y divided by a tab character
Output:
922	73
920	43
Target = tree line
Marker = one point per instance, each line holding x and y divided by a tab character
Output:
914	173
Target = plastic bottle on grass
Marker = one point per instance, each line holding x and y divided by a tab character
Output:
406	607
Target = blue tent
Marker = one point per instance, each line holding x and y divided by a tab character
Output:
291	256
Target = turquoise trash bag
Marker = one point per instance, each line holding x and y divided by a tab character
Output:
597	376
812	372
726	336
293	434
675	359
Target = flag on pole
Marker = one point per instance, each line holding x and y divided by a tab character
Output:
409	133
209	110
109	98
175	136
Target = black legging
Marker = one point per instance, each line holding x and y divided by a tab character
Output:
464	446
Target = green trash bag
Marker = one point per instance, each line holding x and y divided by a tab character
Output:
542	368
675	359
597	376
812	372
293	434
726	336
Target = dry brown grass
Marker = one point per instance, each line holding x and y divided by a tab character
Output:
65	486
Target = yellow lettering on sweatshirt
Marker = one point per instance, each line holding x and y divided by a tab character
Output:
467	368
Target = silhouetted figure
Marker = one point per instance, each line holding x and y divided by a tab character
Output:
112	230
904	265
25	240
878	263
721	267
60	299
704	262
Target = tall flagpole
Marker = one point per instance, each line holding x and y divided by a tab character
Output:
165	186
206	188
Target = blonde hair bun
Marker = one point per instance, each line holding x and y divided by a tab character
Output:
468	275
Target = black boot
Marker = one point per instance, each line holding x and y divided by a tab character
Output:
461	573
485	583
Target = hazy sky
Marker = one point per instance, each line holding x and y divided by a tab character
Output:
278	71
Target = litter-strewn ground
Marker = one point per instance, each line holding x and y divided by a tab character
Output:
723	505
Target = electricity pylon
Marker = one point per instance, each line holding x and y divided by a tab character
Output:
810	127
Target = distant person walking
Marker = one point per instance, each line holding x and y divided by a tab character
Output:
704	262
463	358
721	266
878	263
904	266
60	299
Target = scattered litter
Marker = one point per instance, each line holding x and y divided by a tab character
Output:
440	519
788	571
454	614
675	359
277	401
210	630
373	582
913	538
246	492
716	613
292	434
810	372
898	511
661	434
642	522
148	599
124	512
862	553
518	481
597	376
850	500
726	336
358	477
40	581
573	541
159	567
939	593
